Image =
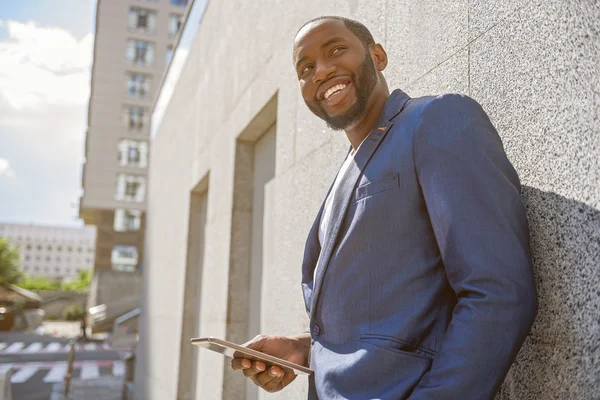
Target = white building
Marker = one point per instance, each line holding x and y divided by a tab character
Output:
52	251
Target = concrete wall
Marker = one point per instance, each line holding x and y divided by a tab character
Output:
54	309
109	286
534	66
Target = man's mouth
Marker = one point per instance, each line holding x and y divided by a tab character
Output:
336	93
333	90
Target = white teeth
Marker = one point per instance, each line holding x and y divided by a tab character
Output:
332	90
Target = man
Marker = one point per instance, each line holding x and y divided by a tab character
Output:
417	274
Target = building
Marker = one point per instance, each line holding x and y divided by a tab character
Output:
133	45
239	167
51	251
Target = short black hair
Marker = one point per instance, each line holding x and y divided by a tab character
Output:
359	30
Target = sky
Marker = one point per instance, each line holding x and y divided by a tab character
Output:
45	66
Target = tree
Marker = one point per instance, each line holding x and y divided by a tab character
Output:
9	263
81	284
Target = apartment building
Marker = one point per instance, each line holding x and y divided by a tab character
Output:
53	252
134	44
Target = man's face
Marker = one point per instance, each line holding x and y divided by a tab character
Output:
336	72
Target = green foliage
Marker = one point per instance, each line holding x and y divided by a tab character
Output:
74	312
9	263
81	284
37	284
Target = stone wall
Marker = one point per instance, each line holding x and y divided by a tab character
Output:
534	67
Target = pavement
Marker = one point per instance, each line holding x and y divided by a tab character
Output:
106	388
39	362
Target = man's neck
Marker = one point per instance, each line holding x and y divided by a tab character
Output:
358	132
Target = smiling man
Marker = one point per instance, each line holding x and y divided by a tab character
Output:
417	275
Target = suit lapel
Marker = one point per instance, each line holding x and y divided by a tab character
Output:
346	187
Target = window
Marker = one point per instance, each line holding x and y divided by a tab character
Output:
138	85
175	21
135	117
127	220
130	188
124	258
39	247
181	3
139	52
28	247
169	55
142	20
133	153
49	248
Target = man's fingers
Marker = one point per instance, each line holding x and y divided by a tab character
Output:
274	384
256	368
240	363
269	379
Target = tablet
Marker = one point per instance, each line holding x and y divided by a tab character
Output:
236	351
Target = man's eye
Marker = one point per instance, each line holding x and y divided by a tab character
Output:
337	50
305	70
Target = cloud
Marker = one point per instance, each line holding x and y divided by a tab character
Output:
44	65
5	169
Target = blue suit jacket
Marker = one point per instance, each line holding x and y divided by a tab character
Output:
424	287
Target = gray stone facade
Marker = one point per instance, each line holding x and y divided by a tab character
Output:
533	65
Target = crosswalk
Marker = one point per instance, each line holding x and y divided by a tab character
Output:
53	347
56	371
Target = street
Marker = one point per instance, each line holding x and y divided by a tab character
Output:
39	361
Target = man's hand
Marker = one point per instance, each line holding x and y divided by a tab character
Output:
293	349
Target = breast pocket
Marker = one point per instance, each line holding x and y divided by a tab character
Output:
384	184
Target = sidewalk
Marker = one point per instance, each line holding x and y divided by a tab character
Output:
103	388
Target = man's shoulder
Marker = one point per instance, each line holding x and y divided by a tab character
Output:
441	104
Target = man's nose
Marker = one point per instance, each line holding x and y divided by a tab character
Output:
322	72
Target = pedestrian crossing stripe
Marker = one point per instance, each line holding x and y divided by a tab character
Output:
14	347
53	347
33	347
57	370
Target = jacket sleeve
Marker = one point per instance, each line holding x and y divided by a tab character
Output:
472	194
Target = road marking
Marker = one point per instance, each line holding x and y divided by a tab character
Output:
89	371
118	368
33	347
5	367
57	373
2	345
13	348
54	346
90	346
24	374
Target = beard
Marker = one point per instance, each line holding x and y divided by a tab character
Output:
365	84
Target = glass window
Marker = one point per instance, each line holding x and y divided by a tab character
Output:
127	220
124	258
142	20
135	117
169	55
139	52
130	188
175	21
181	3
138	85
133	153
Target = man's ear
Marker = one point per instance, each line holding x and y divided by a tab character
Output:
380	58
